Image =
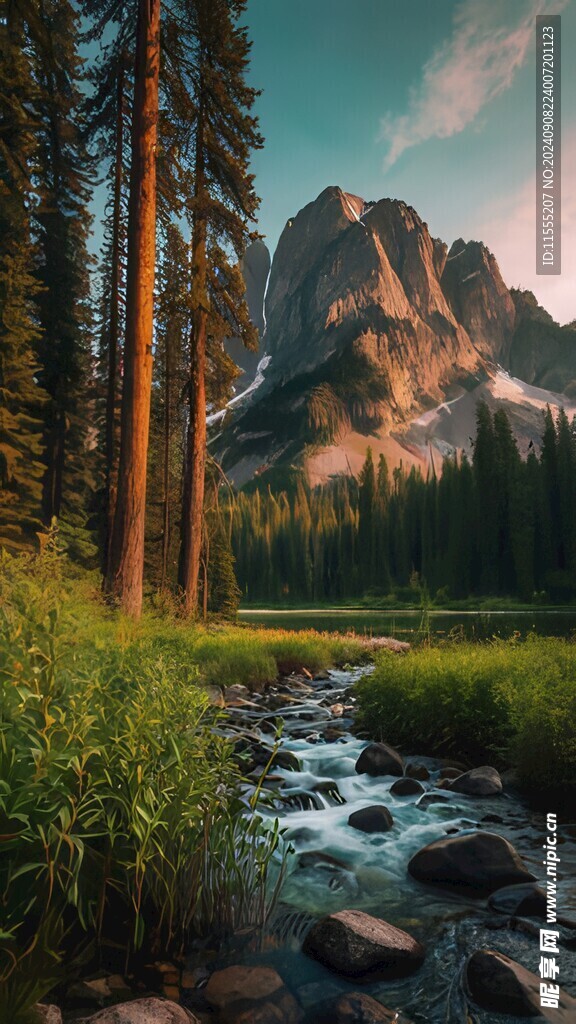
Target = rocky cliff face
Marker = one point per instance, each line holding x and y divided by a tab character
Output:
255	270
369	323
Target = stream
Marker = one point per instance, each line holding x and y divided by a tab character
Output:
334	867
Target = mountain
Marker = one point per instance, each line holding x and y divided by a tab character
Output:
376	333
255	270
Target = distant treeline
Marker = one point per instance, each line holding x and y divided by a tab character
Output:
493	525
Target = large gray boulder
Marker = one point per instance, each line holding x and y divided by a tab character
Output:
143	1011
524	900
484	781
356	945
499	984
379	759
475	864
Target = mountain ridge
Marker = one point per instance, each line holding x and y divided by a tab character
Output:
371	323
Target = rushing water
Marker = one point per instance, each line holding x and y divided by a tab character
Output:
409	625
335	867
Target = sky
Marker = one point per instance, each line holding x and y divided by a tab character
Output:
429	102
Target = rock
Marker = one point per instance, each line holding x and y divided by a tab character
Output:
96	991
379	759
524	900
449	773
407	787
143	1011
376	818
48	1013
417	771
315	858
499	984
236	692
359	1008
281	759
243	995
492	819
483	781
215	696
475	864
356	945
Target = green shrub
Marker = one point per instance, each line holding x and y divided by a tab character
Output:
121	810
508	702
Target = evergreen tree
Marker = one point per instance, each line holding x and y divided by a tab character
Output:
21	400
222	206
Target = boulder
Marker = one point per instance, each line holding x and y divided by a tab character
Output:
417	771
499	984
475	864
359	1008
48	1013
449	773
483	781
143	1011
355	945
407	787
524	900
376	818
379	759
432	798
242	995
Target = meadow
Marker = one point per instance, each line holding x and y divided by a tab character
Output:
510	703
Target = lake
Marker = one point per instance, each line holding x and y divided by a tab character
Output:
407	625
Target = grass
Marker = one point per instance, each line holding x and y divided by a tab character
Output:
509	703
123	817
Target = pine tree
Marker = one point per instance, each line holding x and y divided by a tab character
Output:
223	204
126	561
21	400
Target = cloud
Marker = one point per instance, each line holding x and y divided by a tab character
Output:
489	43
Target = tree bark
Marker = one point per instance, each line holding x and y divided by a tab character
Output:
126	563
111	478
166	467
195	458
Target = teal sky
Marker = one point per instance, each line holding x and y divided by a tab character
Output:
432	103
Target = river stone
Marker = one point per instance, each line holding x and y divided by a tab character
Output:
432	798
47	1013
524	900
417	771
483	781
243	995
280	759
143	1011
449	773
406	787
497	983
356	945
360	1008
475	864
379	759
376	818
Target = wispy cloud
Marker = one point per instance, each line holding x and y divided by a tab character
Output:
489	42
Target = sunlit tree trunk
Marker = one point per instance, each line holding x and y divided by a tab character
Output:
126	562
195	456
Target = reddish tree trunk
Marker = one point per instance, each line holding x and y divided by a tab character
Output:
126	562
195	457
166	468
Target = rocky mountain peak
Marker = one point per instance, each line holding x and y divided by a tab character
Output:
479	299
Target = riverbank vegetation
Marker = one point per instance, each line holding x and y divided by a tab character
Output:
508	703
123	827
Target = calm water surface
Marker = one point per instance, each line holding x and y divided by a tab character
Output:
409	625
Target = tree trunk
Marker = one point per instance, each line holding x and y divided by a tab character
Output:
111	478
166	468
195	457
126	563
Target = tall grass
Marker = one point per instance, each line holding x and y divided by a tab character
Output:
512	703
123	814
